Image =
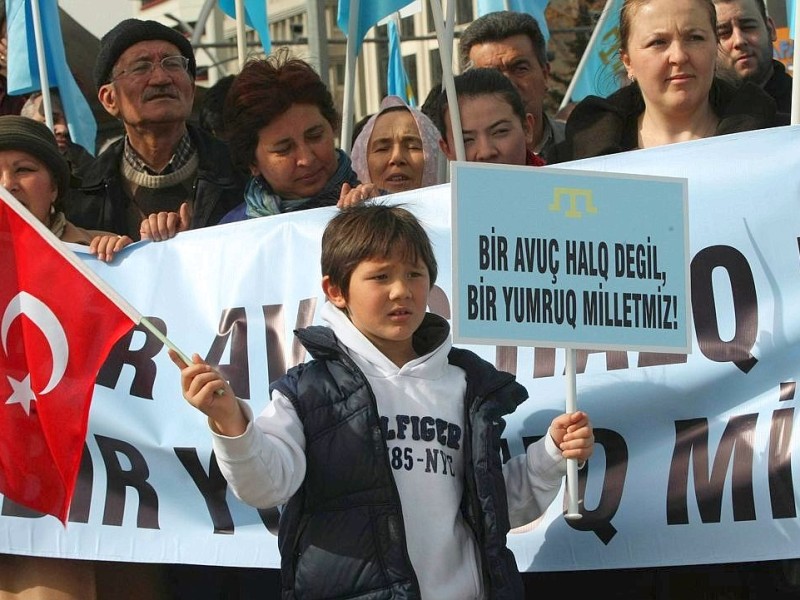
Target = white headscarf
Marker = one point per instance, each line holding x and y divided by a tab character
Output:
427	132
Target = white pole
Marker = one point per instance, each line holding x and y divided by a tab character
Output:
586	53
241	35
349	77
795	115
572	464
444	33
47	105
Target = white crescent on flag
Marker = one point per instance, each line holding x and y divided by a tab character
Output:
41	315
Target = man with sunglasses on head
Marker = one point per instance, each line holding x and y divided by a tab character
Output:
165	175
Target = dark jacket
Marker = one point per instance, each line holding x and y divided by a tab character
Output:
779	86
101	202
342	534
599	126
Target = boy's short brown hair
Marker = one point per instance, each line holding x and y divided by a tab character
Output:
372	230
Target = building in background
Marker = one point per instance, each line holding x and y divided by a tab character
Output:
309	28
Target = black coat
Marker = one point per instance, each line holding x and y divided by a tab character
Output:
101	202
599	126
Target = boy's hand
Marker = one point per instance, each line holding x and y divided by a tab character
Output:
573	435
200	383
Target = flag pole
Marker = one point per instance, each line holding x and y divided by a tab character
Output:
349	77
41	58
241	35
586	53
572	464
444	33
165	340
795	114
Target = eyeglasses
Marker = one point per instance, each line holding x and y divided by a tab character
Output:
143	68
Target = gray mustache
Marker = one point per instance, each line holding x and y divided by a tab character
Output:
158	92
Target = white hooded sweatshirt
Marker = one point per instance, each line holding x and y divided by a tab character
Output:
421	406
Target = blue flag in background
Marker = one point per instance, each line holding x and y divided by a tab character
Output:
790	4
397	78
602	69
255	16
369	13
23	66
532	7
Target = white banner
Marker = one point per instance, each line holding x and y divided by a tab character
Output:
694	456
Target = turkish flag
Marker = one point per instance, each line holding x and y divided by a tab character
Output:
57	326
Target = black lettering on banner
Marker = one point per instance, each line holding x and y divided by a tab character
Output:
781	485
82	496
211	485
439	303
615	359
271	519
141	360
12	509
745	306
119	479
275	324
505	359
232	328
657	359
735	451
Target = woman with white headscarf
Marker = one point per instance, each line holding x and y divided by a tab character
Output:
398	149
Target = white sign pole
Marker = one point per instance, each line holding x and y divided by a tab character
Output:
572	464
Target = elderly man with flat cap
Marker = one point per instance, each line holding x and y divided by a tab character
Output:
165	175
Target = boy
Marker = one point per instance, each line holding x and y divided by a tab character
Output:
384	449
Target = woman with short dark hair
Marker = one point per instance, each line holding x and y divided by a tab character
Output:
280	125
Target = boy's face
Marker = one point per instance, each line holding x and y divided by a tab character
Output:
386	302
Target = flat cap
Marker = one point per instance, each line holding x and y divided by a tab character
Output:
132	31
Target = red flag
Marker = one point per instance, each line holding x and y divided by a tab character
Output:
58	322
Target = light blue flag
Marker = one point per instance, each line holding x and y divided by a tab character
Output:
23	66
369	13
602	73
255	16
398	83
532	7
790	4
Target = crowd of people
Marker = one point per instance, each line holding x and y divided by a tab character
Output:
695	69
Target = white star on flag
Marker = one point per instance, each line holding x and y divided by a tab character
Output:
22	394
